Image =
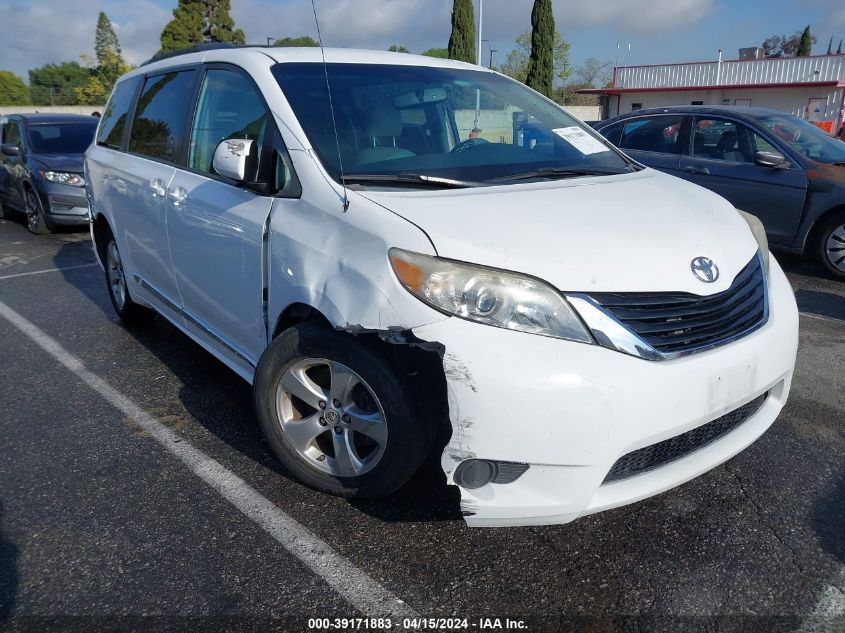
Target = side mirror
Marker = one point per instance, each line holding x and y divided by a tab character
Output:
234	159
770	159
10	149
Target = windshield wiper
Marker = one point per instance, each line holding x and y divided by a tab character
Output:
409	179
557	172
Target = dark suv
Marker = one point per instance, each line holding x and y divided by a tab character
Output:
41	159
782	169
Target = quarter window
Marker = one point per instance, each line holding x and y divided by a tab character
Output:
718	139
652	134
229	107
113	121
159	124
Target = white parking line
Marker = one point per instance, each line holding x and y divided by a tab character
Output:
822	317
352	583
48	270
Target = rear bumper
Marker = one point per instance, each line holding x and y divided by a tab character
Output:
571	410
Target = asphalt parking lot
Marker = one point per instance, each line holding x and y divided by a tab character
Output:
136	492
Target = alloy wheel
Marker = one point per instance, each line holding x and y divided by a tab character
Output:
117	279
835	248
331	417
32	211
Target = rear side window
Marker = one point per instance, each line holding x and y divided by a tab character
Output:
652	134
613	132
160	118
114	117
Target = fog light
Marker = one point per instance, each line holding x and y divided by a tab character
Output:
474	473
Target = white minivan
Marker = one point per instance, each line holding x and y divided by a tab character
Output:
405	254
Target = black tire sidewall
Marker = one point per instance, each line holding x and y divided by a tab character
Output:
131	313
830	225
408	441
42	227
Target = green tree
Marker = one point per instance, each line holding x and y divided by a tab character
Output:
839	50
516	65
13	90
462	39
200	21
443	53
830	46
94	92
398	48
110	62
783	46
302	40
105	40
54	84
805	45
541	63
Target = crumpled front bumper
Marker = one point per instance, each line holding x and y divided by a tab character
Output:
570	410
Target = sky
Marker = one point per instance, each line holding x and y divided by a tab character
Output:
36	32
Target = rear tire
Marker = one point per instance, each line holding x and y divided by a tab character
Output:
830	248
35	220
355	432
129	312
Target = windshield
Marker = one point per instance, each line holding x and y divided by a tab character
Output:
806	138
61	138
464	125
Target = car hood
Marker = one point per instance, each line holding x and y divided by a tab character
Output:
60	162
626	233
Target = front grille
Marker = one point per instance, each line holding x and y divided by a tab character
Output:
679	322
644	459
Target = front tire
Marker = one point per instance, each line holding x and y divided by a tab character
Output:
129	312
337	414
35	220
831	244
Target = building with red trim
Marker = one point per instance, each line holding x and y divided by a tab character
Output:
809	87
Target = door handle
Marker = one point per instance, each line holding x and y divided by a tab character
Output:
177	196
157	187
701	171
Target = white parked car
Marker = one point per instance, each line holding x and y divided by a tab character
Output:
431	256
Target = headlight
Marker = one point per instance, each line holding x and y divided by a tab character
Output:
64	178
759	232
488	296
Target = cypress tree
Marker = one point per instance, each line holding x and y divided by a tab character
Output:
805	46
839	50
462	39
198	22
105	40
541	64
830	46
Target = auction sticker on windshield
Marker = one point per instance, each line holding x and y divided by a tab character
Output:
580	140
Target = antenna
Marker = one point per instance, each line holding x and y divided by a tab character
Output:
331	109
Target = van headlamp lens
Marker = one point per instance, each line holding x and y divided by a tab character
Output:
485	295
759	233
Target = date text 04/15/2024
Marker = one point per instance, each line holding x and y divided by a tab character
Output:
417	624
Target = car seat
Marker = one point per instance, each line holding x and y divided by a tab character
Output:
385	122
727	149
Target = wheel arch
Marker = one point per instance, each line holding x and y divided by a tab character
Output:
814	234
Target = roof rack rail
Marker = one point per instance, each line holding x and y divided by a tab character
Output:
196	48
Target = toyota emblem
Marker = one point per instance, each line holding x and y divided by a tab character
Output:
704	269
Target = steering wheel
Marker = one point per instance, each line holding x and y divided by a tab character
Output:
465	146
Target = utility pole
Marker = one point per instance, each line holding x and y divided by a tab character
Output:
480	15
268	40
492	50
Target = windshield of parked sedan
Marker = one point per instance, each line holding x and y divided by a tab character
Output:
806	138
61	138
465	125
